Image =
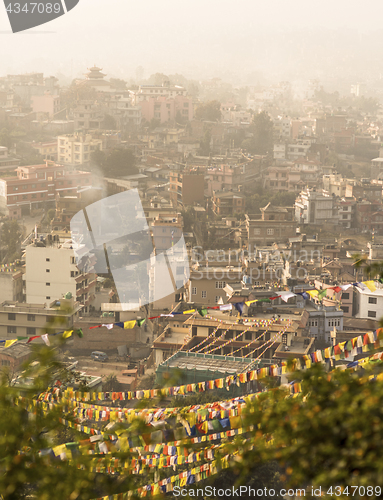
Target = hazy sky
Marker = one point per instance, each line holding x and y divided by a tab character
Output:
202	38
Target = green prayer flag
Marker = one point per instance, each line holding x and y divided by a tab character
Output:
80	333
202	312
140	322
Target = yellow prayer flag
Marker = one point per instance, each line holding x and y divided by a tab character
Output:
250	302
128	325
370	285
67	334
8	343
190	311
313	293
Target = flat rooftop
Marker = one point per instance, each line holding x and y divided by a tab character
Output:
193	361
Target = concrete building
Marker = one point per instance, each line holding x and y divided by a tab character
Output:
36	186
187	188
276	225
367	304
28	320
6	161
48	150
11	286
146	92
75	149
228	203
51	272
166	109
48	104
166	230
315	207
206	284
88	115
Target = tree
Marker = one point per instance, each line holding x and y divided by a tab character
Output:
118	163
109	122
5	138
11	233
210	111
261	143
330	435
111	384
118	83
205	144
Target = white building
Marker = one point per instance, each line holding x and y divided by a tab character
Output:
76	148
51	272
165	90
368	305
323	320
315	207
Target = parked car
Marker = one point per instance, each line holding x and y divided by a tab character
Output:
99	356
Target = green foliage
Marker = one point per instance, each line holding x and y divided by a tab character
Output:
5	138
26	430
205	144
118	83
209	111
10	237
111	384
109	123
118	163
261	143
262	198
331	434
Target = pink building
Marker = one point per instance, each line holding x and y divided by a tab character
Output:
46	103
166	108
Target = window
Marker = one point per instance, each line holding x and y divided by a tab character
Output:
194	290
31	330
371	314
345	309
47	270
229	335
284	339
372	300
257	231
73	260
217	297
248	336
270	231
31	317
11	317
204	294
47	260
5	362
220	284
11	329
345	295
48	298
47	284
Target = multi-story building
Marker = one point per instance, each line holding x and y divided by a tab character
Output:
316	207
206	284
166	109
75	149
227	203
166	230
88	116
48	104
36	186
6	161
276	224
68	206
335	184
347	210
364	190
28	320
48	150
187	187
51	272
369	217
11	286
368	304
166	90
